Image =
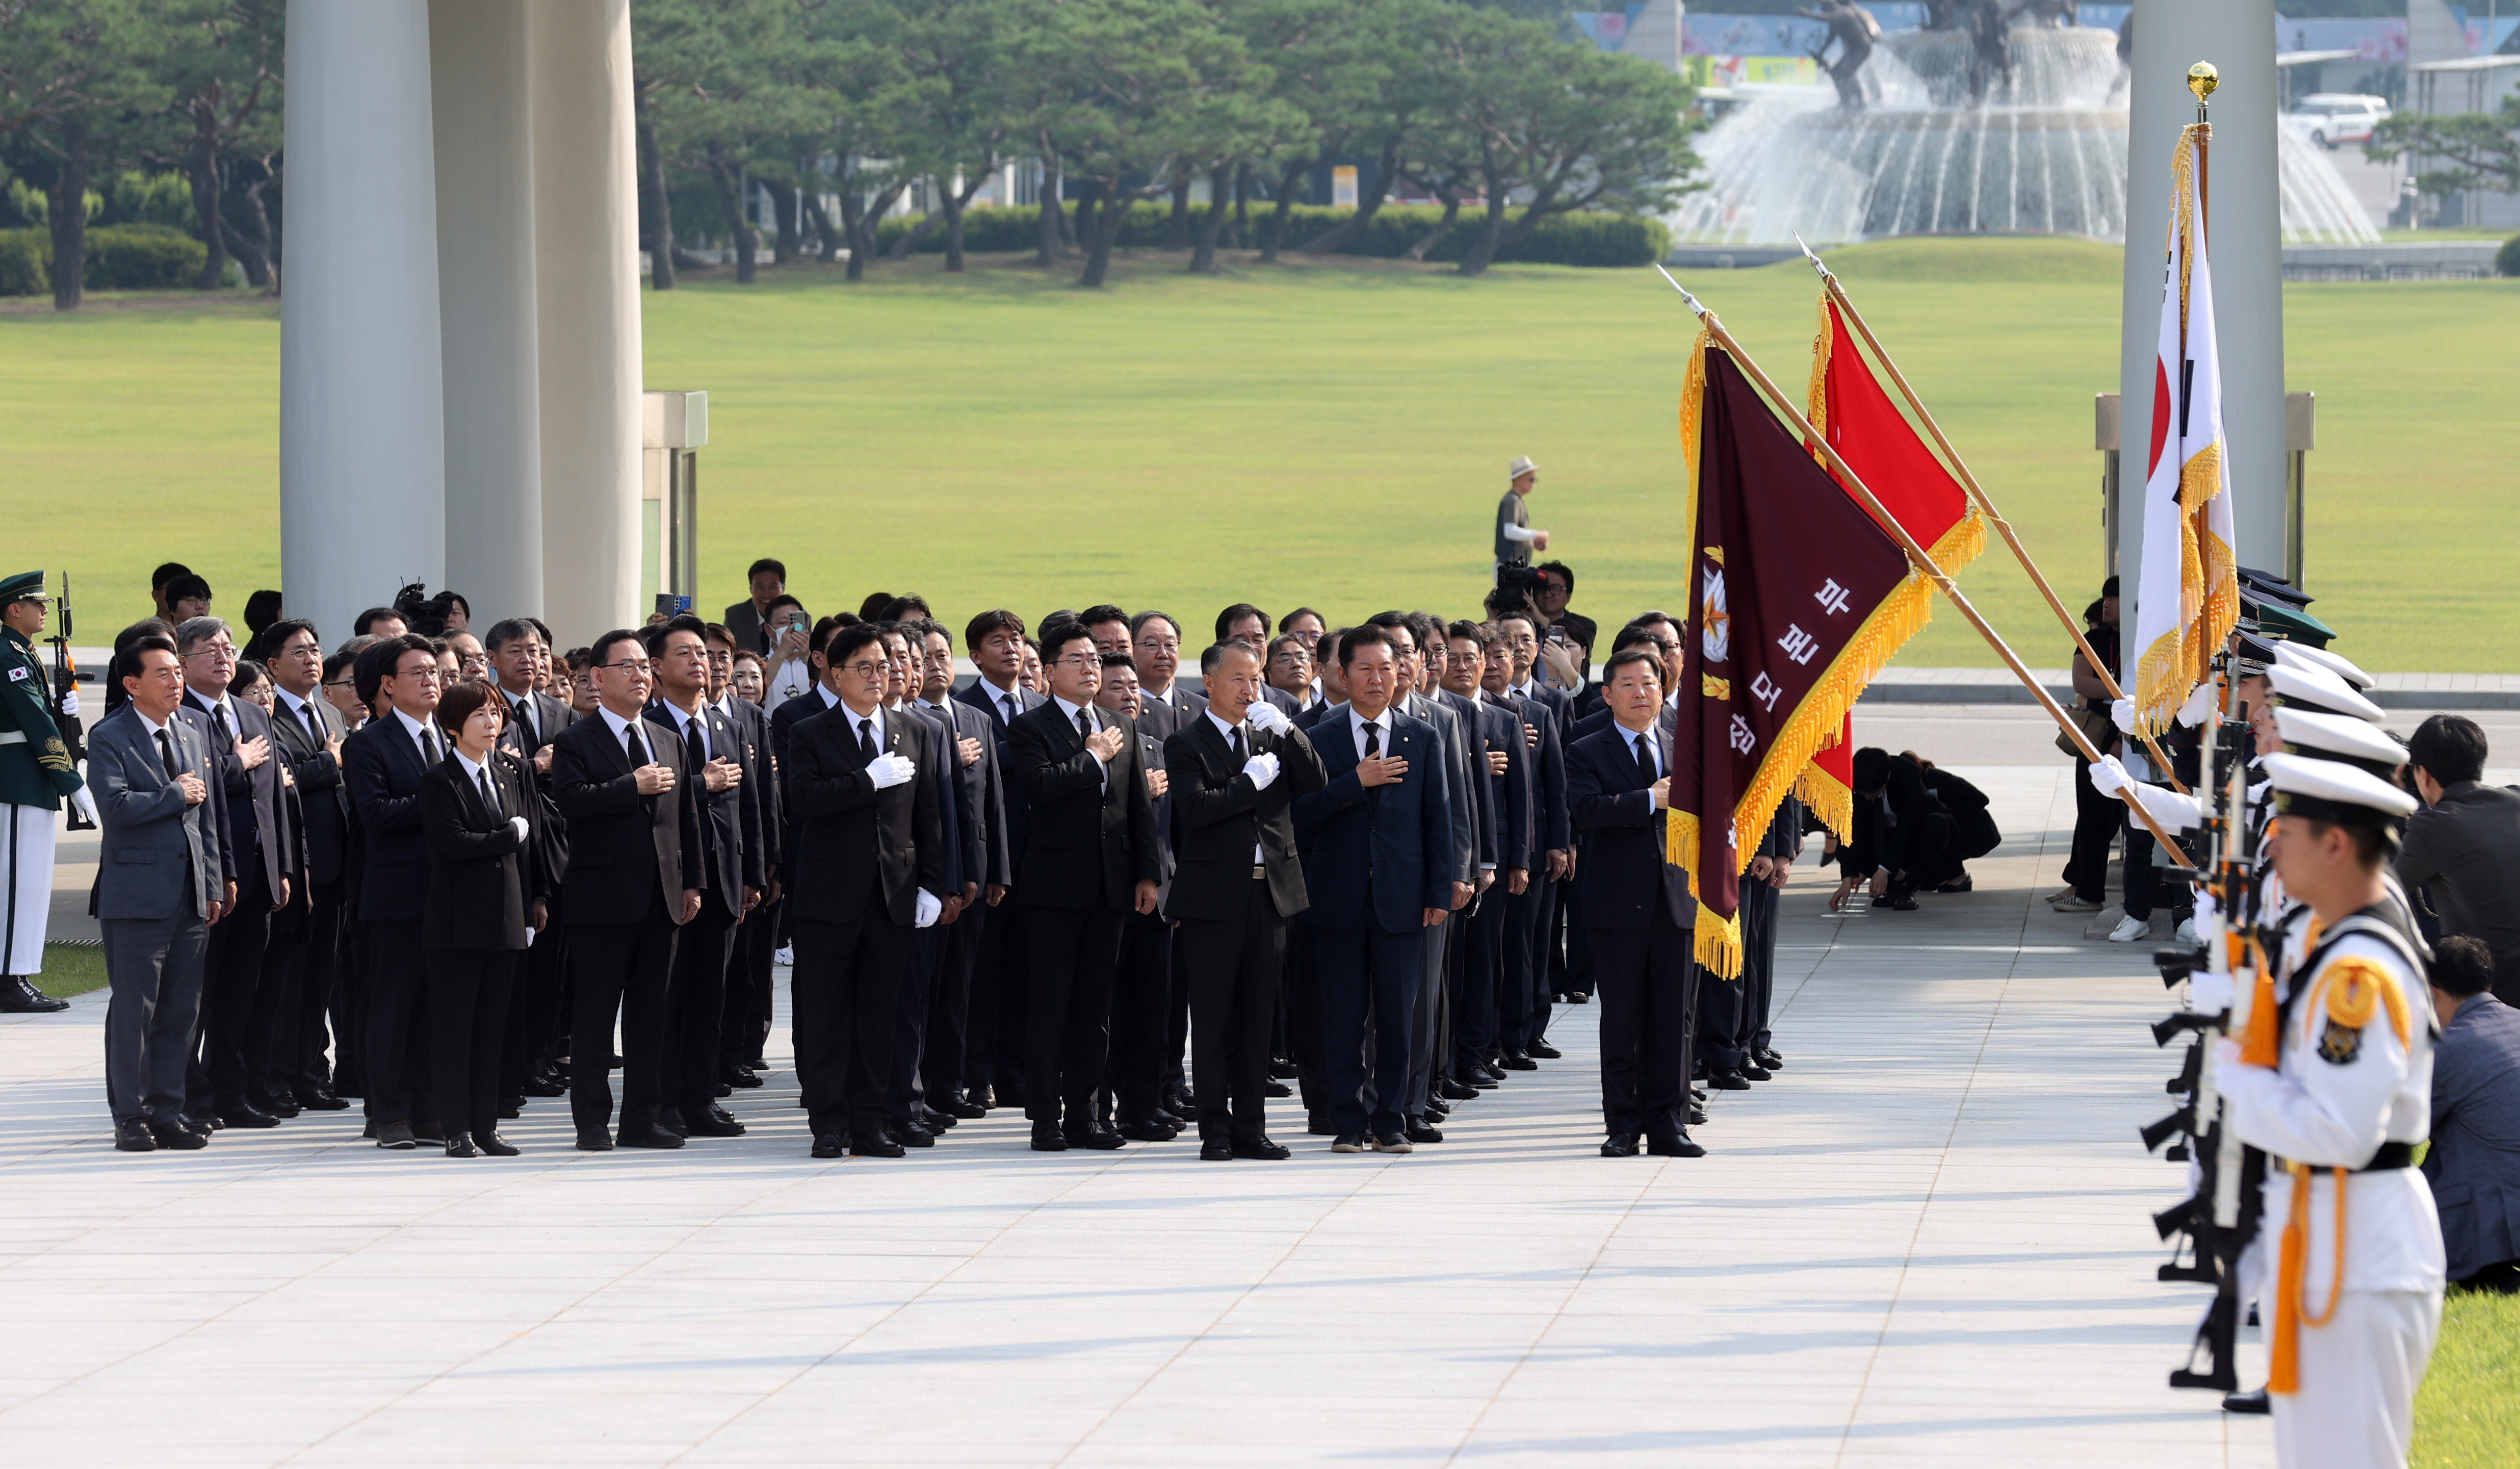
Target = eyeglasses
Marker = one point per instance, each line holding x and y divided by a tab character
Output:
865	669
341	683
431	673
213	650
1165	644
631	665
1081	660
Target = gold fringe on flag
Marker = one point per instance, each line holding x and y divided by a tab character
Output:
1829	799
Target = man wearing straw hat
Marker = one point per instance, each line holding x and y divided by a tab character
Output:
1515	540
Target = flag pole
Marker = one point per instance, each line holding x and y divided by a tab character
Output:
1977	492
1924	562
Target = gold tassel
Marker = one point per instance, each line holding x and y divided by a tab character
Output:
2283	1345
1829	799
1717	946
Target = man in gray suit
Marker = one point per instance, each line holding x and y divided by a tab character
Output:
160	883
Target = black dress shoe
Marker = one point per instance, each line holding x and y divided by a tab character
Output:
594	1142
1772	1061
279	1104
1420	1133
876	1145
1437	1107
427	1132
460	1145
204	1123
983	1098
1260	1148
1148	1132
740	1079
721	1090
398	1137
938	1123
1698	1093
1282	1069
647	1138
1391	1142
1729	1079
1678	1146
1696	1114
1348	1142
671	1120
320	1099
1619	1145
1317	1125
1216	1150
1098	1139
1164	1118
20	996
716	1122
963	1108
829	1145
1544	1050
910	1134
1757	1073
1276	1090
1485	1080
545	1086
1459	1091
495	1146
1517	1061
1047	1139
2254	1401
177	1138
131	1136
242	1114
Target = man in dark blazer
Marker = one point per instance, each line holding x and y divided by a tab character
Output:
1233	777
1090	859
2463	845
868	868
383	761
162	882
982	797
1155	647
749	999
257	822
1537	921
635	865
308	963
765	579
520	659
993	1050
728	795
1145	1056
1639	916
913	1121
1410	642
1378	871
1508	776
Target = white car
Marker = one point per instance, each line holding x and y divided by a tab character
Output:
2333	120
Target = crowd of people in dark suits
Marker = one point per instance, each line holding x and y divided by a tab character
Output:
437	872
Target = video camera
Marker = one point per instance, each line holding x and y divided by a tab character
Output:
422	613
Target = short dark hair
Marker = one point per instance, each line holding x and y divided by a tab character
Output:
872	607
1633	635
1284	641
334	663
578	660
1138	623
1101	612
1625	657
2372	845
1871	770
506	630
1504	606
188	586
1118	660
458	599
899	609
601	652
783	599
2461	965
1214	658
382	658
2449	748
1561	568
716	632
652	637
1398	622
1288	621
261	610
1476	632
167	572
126	660
276	636
766	564
1371	636
1058	635
844	641
249	671
976	631
821	638
459	700
366	622
1225	619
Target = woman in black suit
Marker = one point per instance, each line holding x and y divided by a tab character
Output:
481	914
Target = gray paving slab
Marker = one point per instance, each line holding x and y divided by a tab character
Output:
1924	1242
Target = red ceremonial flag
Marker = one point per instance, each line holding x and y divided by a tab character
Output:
1800	599
1849	407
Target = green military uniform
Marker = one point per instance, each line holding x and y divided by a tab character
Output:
35	774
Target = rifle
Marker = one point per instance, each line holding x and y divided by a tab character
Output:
65	686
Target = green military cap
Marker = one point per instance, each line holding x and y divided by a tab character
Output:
25	587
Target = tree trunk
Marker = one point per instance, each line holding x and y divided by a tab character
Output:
1089	214
853	224
1177	228
1108	214
1069	241
259	256
820	219
1202	260
1337	236
1241	202
202	165
1051	247
730	197
66	206
660	209
956	204
1274	233
787	244
1452	197
916	235
1491	235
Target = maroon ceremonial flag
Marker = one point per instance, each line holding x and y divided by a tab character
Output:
1801	597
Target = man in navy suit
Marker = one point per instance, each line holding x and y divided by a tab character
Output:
519	653
1379	870
382	762
306	963
993	1051
914	1123
982	797
1521	989
1552	886
1411	639
1639	913
1508	776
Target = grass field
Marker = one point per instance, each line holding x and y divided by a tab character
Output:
2467	1413
71	969
1332	434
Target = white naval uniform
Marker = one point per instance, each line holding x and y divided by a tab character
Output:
2358	1371
27	834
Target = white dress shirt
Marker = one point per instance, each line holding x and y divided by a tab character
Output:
683	723
1231	733
1068	712
421	735
1356	726
1008	702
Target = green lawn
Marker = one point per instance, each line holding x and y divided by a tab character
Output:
1330	433
71	969
2467	1414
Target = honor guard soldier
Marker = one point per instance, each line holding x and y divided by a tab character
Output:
2333	1080
35	774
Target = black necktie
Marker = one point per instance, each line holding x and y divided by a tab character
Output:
429	745
632	746
489	796
866	740
1084	726
166	752
525	720
1646	757
1012	706
1238	755
314	722
693	745
219	723
1373	739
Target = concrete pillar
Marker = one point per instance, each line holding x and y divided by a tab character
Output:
485	261
362	446
2246	238
586	304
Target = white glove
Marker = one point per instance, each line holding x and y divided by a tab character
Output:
2200	704
891	771
2108	777
1262	768
83	804
2175	812
518	826
2121	714
70	703
931	908
1265	715
2209	994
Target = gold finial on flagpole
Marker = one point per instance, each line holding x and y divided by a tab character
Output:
2202	79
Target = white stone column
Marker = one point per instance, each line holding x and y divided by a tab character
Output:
362	446
485	262
2246	238
585	248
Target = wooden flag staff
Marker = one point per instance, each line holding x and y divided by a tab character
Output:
1923	563
1977	492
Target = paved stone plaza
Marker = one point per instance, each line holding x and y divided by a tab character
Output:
1925	1242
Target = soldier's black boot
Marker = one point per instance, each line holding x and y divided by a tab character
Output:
20	996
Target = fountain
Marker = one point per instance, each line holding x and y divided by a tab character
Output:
1970	130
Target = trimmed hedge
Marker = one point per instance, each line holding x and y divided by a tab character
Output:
2506	260
1578	239
120	257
